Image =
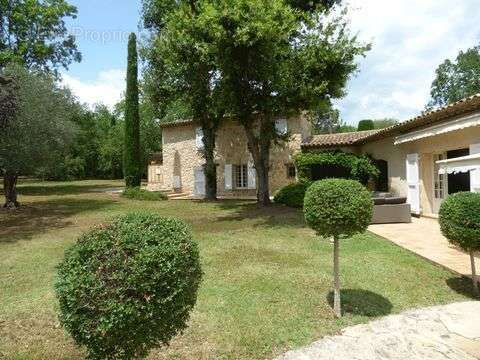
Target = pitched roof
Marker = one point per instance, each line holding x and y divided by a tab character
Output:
461	107
458	108
177	123
339	139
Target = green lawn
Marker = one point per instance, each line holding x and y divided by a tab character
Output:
267	278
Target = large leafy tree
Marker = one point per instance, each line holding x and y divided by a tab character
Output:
280	58
34	34
40	127
457	79
182	69
131	156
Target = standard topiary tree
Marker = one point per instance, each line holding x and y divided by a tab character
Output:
459	218
129	286
337	208
132	166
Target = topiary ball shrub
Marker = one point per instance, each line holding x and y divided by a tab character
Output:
292	194
129	286
335	207
459	219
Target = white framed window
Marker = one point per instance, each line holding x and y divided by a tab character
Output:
240	176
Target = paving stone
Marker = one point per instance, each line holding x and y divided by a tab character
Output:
449	332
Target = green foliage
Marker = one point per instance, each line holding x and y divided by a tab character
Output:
42	127
132	166
135	193
34	34
182	74
292	194
457	79
361	167
384	123
8	101
365	125
459	218
129	286
338	207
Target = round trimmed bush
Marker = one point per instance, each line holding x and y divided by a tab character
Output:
459	219
129	286
292	195
335	207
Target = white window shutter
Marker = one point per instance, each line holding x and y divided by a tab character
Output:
228	177
252	176
413	182
281	126
199	138
475	174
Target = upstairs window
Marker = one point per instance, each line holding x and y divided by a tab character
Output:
199	138
281	126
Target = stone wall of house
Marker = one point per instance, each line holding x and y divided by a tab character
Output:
181	157
155	177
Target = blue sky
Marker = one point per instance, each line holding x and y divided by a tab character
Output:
409	39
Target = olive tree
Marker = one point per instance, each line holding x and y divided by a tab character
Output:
459	218
338	208
39	129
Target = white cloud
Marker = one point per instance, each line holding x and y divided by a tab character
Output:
410	38
106	89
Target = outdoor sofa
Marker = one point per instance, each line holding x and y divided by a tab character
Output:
389	209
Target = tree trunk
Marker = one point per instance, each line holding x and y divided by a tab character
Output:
10	189
337	307
474	274
260	151
210	168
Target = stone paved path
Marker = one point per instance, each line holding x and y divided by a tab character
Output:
424	238
438	333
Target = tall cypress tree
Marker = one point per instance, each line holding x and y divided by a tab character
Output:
131	154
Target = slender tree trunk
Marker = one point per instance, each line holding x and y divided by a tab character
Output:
10	189
210	168
337	307
474	274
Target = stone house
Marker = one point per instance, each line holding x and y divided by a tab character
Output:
179	168
424	159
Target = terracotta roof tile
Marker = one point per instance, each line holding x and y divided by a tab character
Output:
329	140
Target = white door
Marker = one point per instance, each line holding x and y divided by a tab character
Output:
440	183
199	182
413	183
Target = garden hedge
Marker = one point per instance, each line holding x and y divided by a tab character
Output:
292	194
361	167
129	286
